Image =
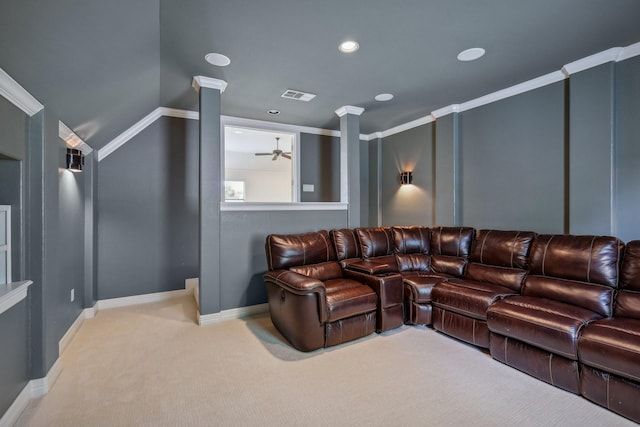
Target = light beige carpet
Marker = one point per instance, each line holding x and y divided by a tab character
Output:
152	365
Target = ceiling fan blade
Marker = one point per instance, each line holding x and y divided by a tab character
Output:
264	154
275	156
286	155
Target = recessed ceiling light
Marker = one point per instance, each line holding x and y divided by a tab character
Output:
384	97
471	54
217	59
348	46
273	112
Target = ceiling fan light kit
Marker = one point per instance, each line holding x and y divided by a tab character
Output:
277	152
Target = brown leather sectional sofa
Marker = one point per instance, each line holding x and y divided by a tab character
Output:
564	309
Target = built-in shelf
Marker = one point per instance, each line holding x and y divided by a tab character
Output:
12	293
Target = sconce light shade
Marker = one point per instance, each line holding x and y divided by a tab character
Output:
406	177
75	160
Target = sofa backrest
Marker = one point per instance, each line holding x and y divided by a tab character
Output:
292	250
346	243
451	241
577	270
411	240
377	242
500	257
450	249
627	302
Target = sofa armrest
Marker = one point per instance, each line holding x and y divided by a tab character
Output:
388	286
300	284
370	267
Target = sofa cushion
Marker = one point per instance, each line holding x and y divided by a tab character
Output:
451	241
346	298
288	250
411	240
375	241
468	297
627	305
323	271
612	345
595	298
630	270
502	248
591	259
413	262
543	323
450	265
346	244
511	278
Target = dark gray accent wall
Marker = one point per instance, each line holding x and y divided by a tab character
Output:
243	258
320	166
373	178
627	127
13	130
446	161
71	240
11	194
148	211
407	151
14	363
591	150
512	162
364	184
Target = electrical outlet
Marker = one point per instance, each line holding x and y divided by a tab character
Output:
73	294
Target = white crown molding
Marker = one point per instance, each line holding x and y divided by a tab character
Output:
609	55
410	125
449	109
629	52
125	136
18	95
180	114
72	140
13	293
349	109
527	86
208	82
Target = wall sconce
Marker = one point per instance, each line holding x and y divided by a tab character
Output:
406	177
75	160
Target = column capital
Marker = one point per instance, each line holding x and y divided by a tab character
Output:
208	82
349	109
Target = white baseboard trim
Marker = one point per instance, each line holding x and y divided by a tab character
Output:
87	313
234	313
15	410
141	299
34	389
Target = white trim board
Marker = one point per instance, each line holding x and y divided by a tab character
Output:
73	141
13	293
17	95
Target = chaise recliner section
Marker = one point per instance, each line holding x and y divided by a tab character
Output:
496	270
609	349
311	302
571	283
562	308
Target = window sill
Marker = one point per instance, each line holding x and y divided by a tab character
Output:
12	293
302	206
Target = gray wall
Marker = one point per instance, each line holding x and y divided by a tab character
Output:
407	151
561	158
243	260
627	128
148	211
511	162
320	166
14	323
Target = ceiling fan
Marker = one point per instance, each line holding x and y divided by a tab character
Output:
277	152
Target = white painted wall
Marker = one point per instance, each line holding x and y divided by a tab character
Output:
265	180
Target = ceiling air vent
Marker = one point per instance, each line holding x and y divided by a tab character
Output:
297	95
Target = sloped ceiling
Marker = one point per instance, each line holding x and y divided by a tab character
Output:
103	65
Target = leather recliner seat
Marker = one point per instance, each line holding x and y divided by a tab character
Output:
571	283
311	302
609	349
496	270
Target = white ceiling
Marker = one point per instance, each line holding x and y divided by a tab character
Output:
248	140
